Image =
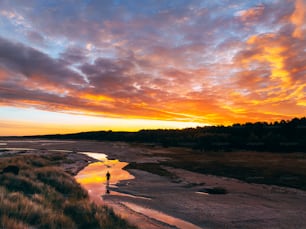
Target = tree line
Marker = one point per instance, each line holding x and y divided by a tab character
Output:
279	136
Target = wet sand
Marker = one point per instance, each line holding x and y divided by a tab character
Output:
244	206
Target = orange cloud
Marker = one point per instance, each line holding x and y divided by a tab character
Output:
191	65
298	18
3	74
273	52
251	15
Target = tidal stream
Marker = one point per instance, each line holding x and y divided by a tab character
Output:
93	178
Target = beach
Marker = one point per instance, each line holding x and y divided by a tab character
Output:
182	200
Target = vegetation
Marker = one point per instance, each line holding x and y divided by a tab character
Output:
152	168
283	136
283	169
42	195
215	190
269	153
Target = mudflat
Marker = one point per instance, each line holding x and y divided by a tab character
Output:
170	191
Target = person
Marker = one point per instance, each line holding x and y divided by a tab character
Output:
107	176
107	182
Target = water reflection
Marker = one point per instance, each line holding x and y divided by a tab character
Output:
60	150
97	156
94	176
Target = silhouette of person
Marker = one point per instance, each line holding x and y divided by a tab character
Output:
107	176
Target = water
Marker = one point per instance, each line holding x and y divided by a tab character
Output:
16	149
60	150
93	177
97	156
42	142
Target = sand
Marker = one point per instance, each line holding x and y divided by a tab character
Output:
245	205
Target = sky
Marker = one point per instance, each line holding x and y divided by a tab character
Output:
71	65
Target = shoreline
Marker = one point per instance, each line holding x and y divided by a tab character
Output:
245	205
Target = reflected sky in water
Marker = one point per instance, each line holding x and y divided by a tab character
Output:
93	177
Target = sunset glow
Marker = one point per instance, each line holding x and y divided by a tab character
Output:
129	65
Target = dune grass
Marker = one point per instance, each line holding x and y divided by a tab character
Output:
43	195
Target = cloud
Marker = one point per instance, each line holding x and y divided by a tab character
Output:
15	18
251	14
298	18
36	37
35	66
74	55
273	80
206	62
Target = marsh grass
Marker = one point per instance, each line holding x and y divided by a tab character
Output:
152	168
283	169
43	195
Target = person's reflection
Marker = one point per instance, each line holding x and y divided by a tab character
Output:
107	182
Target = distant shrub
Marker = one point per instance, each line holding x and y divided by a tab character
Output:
215	190
11	169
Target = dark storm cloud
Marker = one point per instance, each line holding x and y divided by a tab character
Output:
74	55
31	63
